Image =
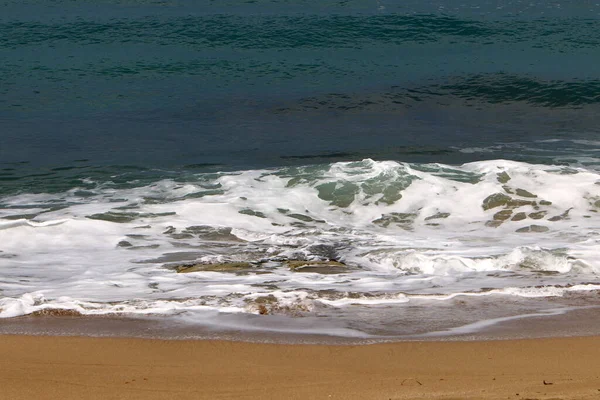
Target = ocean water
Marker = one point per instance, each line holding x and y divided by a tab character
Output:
359	168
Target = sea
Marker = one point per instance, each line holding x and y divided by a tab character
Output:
366	169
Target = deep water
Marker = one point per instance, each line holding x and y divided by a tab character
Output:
270	83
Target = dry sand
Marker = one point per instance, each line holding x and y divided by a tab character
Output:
43	367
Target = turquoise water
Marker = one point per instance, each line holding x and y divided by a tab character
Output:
243	84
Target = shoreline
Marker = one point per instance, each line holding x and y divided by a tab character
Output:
583	321
47	367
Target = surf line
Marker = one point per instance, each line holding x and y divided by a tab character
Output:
486	323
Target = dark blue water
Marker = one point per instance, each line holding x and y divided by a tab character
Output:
243	84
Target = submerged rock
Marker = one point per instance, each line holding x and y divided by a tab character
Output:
560	217
533	228
439	215
493	224
268	299
321	267
214	267
503	200
503	177
537	215
495	200
502	215
525	193
248	211
208	232
304	218
516	203
519	216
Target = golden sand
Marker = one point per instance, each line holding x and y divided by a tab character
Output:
61	368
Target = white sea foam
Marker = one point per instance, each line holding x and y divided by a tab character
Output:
401	231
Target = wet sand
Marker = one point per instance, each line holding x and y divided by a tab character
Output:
51	367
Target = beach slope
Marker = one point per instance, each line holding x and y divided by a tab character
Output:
40	367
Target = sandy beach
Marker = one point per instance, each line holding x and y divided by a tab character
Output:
45	367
